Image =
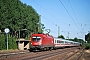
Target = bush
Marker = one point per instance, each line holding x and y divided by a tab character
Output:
11	42
2	42
87	46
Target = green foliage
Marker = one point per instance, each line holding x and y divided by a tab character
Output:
61	36
16	16
2	42
87	46
87	37
11	42
78	40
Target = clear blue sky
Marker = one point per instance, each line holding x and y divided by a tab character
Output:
53	13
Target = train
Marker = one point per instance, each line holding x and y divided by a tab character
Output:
40	41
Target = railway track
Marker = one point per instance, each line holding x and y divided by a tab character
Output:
39	55
75	55
70	55
8	54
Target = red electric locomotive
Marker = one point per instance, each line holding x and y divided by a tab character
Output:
41	42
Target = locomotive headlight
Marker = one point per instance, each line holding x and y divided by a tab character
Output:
31	43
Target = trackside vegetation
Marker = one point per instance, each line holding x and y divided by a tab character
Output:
11	42
87	38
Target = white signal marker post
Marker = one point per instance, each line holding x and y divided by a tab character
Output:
7	31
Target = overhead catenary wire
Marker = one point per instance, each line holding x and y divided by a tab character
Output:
47	11
49	20
72	10
50	14
82	29
71	17
69	14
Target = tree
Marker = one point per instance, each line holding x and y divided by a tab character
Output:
76	39
61	36
87	37
16	16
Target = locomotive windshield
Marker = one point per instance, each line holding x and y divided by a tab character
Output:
36	38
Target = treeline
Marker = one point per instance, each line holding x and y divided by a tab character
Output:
75	39
18	16
21	19
87	38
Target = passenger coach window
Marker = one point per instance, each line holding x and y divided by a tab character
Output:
36	38
55	41
58	41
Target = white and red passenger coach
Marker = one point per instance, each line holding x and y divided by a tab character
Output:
58	42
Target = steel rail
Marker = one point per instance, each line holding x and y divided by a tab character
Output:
40	57
80	51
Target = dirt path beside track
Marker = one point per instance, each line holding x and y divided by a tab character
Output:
86	55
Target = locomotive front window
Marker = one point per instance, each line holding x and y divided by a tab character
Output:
36	38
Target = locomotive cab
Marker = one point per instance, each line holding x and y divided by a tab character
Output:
36	40
41	42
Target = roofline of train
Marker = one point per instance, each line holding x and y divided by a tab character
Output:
65	40
58	38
